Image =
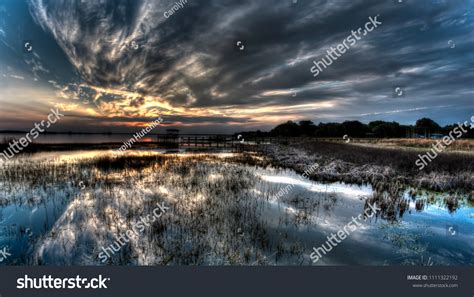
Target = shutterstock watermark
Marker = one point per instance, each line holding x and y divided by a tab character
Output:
342	234
343	47
49	282
137	228
4	254
16	146
137	136
441	145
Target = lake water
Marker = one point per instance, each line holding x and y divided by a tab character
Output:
78	138
65	208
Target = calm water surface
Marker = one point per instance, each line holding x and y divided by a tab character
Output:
32	217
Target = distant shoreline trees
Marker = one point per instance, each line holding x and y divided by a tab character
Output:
424	128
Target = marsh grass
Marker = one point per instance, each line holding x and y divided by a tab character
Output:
379	167
221	211
399	159
214	217
459	145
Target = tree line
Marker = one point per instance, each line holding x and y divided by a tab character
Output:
424	127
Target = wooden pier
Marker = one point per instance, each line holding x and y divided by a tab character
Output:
209	140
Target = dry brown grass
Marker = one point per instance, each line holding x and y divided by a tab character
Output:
460	145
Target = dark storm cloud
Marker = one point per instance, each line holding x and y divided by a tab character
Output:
193	53
138	102
168	120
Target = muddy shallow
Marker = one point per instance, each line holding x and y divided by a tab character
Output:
64	208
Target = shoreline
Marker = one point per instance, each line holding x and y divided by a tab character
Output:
335	161
298	157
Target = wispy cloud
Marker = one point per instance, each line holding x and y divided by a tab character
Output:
17	76
133	62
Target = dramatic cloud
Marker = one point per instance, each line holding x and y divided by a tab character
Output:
133	61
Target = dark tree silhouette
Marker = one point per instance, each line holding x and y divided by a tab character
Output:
307	128
354	128
427	126
288	129
379	129
383	129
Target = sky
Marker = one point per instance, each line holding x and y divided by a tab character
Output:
223	66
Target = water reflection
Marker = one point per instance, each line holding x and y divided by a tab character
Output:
77	138
61	208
